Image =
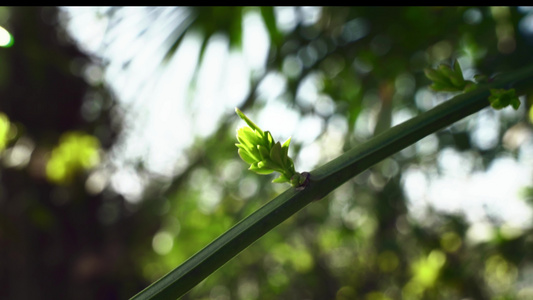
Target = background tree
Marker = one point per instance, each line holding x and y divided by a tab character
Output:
363	68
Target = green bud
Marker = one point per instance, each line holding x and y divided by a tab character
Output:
501	98
265	156
446	79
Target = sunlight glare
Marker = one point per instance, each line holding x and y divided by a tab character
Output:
6	39
255	41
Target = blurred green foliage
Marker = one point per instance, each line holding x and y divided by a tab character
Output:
67	239
4	130
76	152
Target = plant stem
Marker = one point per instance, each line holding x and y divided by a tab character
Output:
323	180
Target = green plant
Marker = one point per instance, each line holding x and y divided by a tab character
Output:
450	79
265	156
500	98
322	181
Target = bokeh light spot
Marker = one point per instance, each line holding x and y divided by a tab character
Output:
472	16
6	39
19	155
388	261
450	241
162	242
355	30
441	50
76	151
499	273
4	130
426	270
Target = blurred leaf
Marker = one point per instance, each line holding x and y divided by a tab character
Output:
267	12
501	98
76	152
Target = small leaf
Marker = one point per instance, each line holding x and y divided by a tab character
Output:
281	179
286	144
263	152
457	69
243	146
252	151
458	82
249	136
269	164
268	139
285	151
443	88
246	156
275	154
254	167
434	76
290	164
446	71
446	79
501	98
248	121
243	140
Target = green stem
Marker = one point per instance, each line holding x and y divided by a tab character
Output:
323	180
